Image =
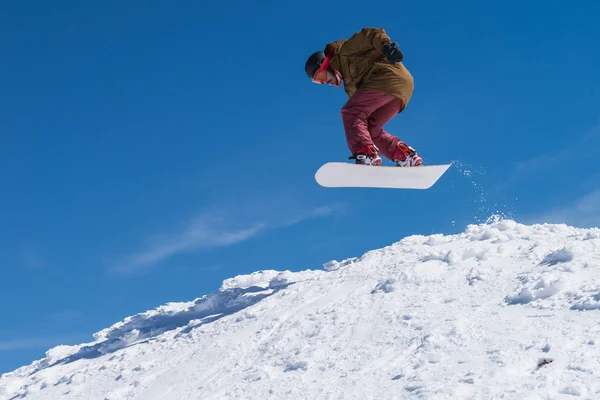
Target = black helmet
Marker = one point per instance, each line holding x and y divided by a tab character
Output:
313	63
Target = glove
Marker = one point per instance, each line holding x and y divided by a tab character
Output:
392	52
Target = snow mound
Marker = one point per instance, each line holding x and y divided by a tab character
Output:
502	310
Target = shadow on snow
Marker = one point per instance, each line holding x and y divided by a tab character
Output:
142	327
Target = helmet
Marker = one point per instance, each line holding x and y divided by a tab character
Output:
313	63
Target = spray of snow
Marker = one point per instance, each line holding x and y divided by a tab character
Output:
487	202
501	310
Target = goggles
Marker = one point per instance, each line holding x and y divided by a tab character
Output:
320	76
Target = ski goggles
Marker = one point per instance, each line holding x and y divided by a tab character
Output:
320	76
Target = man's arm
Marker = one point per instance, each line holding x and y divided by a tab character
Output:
377	37
381	42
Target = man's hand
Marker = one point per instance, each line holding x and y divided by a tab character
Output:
392	52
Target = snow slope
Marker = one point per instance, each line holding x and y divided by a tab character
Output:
502	310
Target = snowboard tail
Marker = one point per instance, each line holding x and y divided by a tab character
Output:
346	175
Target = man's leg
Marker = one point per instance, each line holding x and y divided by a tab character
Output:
390	146
383	140
356	113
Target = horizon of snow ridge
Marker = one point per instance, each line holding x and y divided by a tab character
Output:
502	310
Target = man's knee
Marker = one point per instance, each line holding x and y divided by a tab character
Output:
349	113
375	129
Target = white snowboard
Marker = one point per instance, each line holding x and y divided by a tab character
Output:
343	174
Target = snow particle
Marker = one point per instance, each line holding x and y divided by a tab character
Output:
474	277
414	388
560	256
523	297
544	361
542	289
546	348
571	390
386	286
296	365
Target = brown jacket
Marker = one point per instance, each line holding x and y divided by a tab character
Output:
363	66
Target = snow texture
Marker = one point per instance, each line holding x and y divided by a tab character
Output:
500	311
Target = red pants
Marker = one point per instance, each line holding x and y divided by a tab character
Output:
364	116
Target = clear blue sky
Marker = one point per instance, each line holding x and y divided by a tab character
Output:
150	150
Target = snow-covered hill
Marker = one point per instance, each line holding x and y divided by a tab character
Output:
502	310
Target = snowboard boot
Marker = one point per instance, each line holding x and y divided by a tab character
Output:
406	156
367	155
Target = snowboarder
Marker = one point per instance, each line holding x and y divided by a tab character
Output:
378	86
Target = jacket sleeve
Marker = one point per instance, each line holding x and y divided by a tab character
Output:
377	37
364	40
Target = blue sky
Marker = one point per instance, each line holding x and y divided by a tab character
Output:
151	150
